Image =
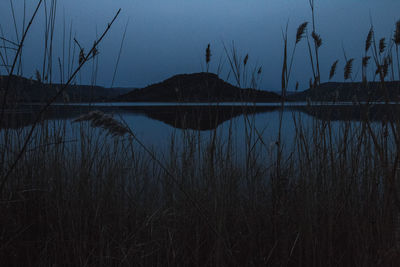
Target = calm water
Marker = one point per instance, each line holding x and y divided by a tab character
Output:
156	123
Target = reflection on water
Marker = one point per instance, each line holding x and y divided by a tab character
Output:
203	116
373	112
155	124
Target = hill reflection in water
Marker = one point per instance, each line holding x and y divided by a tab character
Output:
204	117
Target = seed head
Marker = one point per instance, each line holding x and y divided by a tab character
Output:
365	61
382	45
396	38
333	69
208	54
348	69
317	39
81	56
385	66
95	50
368	42
246	58
100	120
300	31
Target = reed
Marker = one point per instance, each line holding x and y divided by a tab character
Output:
99	196
333	69
348	69
396	40
104	200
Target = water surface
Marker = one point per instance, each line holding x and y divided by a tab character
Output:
156	124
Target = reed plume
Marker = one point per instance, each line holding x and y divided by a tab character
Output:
383	69
378	69
95	50
333	69
382	45
365	61
81	56
368	42
396	38
385	66
93	115
348	69
246	58
287	69
208	54
98	119
317	39
300	31
284	77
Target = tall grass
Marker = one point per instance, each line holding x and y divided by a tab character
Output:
103	198
107	201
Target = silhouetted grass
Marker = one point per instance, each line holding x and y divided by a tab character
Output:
109	201
105	199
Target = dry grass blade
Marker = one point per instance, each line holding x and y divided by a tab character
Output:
368	42
382	45
300	31
333	69
348	68
8	41
317	39
365	61
396	38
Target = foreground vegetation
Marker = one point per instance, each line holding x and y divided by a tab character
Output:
105	199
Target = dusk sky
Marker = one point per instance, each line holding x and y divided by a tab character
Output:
169	37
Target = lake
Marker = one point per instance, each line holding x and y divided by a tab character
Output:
156	123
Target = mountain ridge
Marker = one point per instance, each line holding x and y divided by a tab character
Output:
350	92
23	90
195	87
198	87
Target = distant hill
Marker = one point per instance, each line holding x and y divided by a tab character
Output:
197	87
27	90
371	91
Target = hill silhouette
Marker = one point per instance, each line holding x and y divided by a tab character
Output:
197	87
28	90
348	92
